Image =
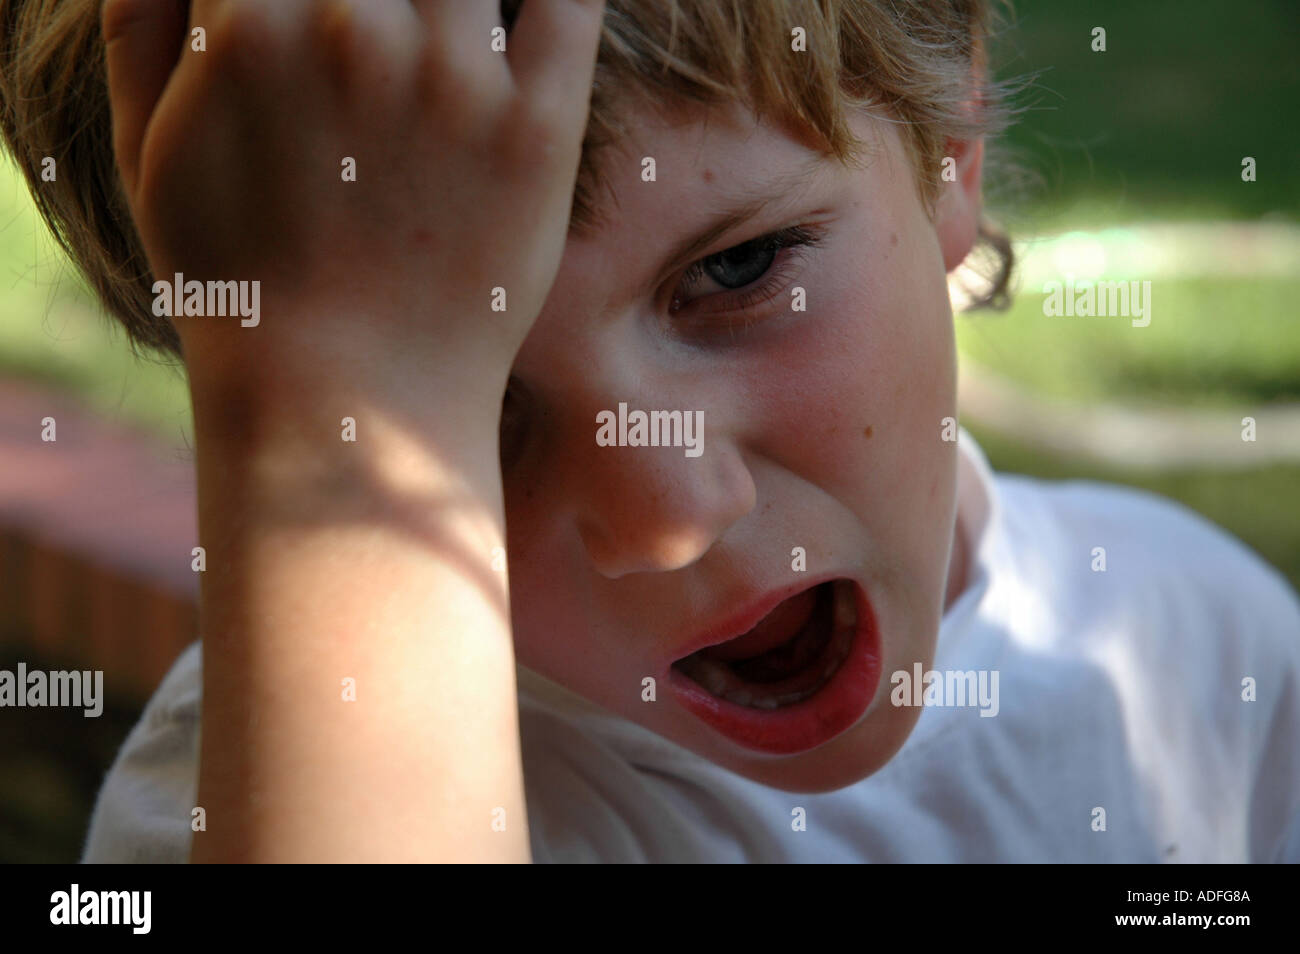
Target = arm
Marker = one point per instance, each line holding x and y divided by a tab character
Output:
367	560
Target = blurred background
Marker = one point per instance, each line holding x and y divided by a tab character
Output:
1128	166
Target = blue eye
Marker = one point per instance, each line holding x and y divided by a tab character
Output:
738	266
741	266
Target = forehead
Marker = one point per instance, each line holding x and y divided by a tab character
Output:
672	184
671	169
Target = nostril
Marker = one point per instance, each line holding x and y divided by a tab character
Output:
641	548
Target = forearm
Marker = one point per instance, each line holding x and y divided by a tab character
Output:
330	560
387	196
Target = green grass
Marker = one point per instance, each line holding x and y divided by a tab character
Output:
1158	124
1216	342
53	333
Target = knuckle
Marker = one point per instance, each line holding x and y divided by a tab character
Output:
340	34
242	33
441	83
457	98
447	77
534	135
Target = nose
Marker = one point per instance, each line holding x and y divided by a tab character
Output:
646	509
632	506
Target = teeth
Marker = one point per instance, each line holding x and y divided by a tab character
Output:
712	678
790	697
741	697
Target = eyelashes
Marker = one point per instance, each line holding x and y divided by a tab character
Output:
779	253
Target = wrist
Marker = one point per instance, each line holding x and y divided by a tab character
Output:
311	450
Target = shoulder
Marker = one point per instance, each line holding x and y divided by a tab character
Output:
1104	540
1195	635
143	811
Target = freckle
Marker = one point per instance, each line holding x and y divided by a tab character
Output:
893	239
866	432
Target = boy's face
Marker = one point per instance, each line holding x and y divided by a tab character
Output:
821	431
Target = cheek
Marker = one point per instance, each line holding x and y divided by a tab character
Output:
907	470
852	397
560	628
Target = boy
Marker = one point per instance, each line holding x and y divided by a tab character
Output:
831	634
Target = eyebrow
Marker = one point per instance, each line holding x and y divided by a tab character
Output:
745	204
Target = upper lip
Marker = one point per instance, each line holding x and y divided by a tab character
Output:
728	625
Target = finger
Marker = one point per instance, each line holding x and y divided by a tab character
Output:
143	40
552	54
390	31
460	21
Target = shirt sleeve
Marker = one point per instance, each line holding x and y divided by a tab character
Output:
1274	628
144	809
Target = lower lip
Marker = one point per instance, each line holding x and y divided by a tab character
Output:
804	725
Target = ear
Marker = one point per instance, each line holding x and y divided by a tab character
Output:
957	209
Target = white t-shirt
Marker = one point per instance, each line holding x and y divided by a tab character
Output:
1121	690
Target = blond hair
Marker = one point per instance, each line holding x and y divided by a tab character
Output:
919	63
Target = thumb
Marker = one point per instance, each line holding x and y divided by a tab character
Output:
143	41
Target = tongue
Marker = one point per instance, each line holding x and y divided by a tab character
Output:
777	627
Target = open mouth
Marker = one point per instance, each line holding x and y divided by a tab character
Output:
787	657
